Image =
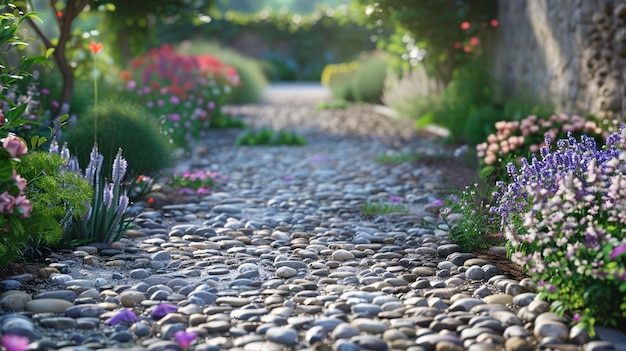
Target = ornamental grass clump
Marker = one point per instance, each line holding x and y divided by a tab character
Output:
564	214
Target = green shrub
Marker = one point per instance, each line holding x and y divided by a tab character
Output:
362	80
477	228
59	198
394	205
480	123
253	80
223	120
267	136
333	105
276	69
338	77
121	125
369	81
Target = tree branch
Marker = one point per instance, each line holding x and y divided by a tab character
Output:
40	34
80	7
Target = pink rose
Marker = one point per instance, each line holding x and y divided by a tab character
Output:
14	145
6	203
23	204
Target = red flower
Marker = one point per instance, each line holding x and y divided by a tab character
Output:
95	47
465	25
494	23
125	75
467	49
59	14
150	201
457	45
474	41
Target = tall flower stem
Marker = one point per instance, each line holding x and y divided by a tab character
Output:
95	102
95	49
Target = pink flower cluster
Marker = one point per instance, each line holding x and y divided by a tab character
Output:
198	182
13	200
184	90
514	139
19	204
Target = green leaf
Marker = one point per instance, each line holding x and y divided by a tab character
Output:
49	52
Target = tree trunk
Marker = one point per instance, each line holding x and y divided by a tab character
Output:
67	77
126	55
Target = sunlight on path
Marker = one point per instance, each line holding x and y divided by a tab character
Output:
282	92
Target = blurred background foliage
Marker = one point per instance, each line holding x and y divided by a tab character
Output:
424	59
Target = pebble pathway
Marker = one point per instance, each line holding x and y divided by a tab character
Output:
279	257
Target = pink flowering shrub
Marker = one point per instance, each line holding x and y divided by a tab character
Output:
515	140
184	91
13	202
198	182
564	214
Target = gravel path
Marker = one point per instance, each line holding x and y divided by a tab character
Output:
279	257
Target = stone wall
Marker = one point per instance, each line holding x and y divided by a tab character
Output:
570	53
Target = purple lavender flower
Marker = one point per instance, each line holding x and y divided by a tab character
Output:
92	173
107	195
123	316
119	168
163	309
576	318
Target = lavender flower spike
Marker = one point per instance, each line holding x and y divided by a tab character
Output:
92	173
119	168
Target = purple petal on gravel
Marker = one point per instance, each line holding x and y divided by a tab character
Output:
163	309
123	316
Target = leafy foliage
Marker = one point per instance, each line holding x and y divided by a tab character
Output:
373	208
476	228
106	219
564	217
251	76
361	80
59	197
444	32
267	136
304	43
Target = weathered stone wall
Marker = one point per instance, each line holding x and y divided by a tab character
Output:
570	53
